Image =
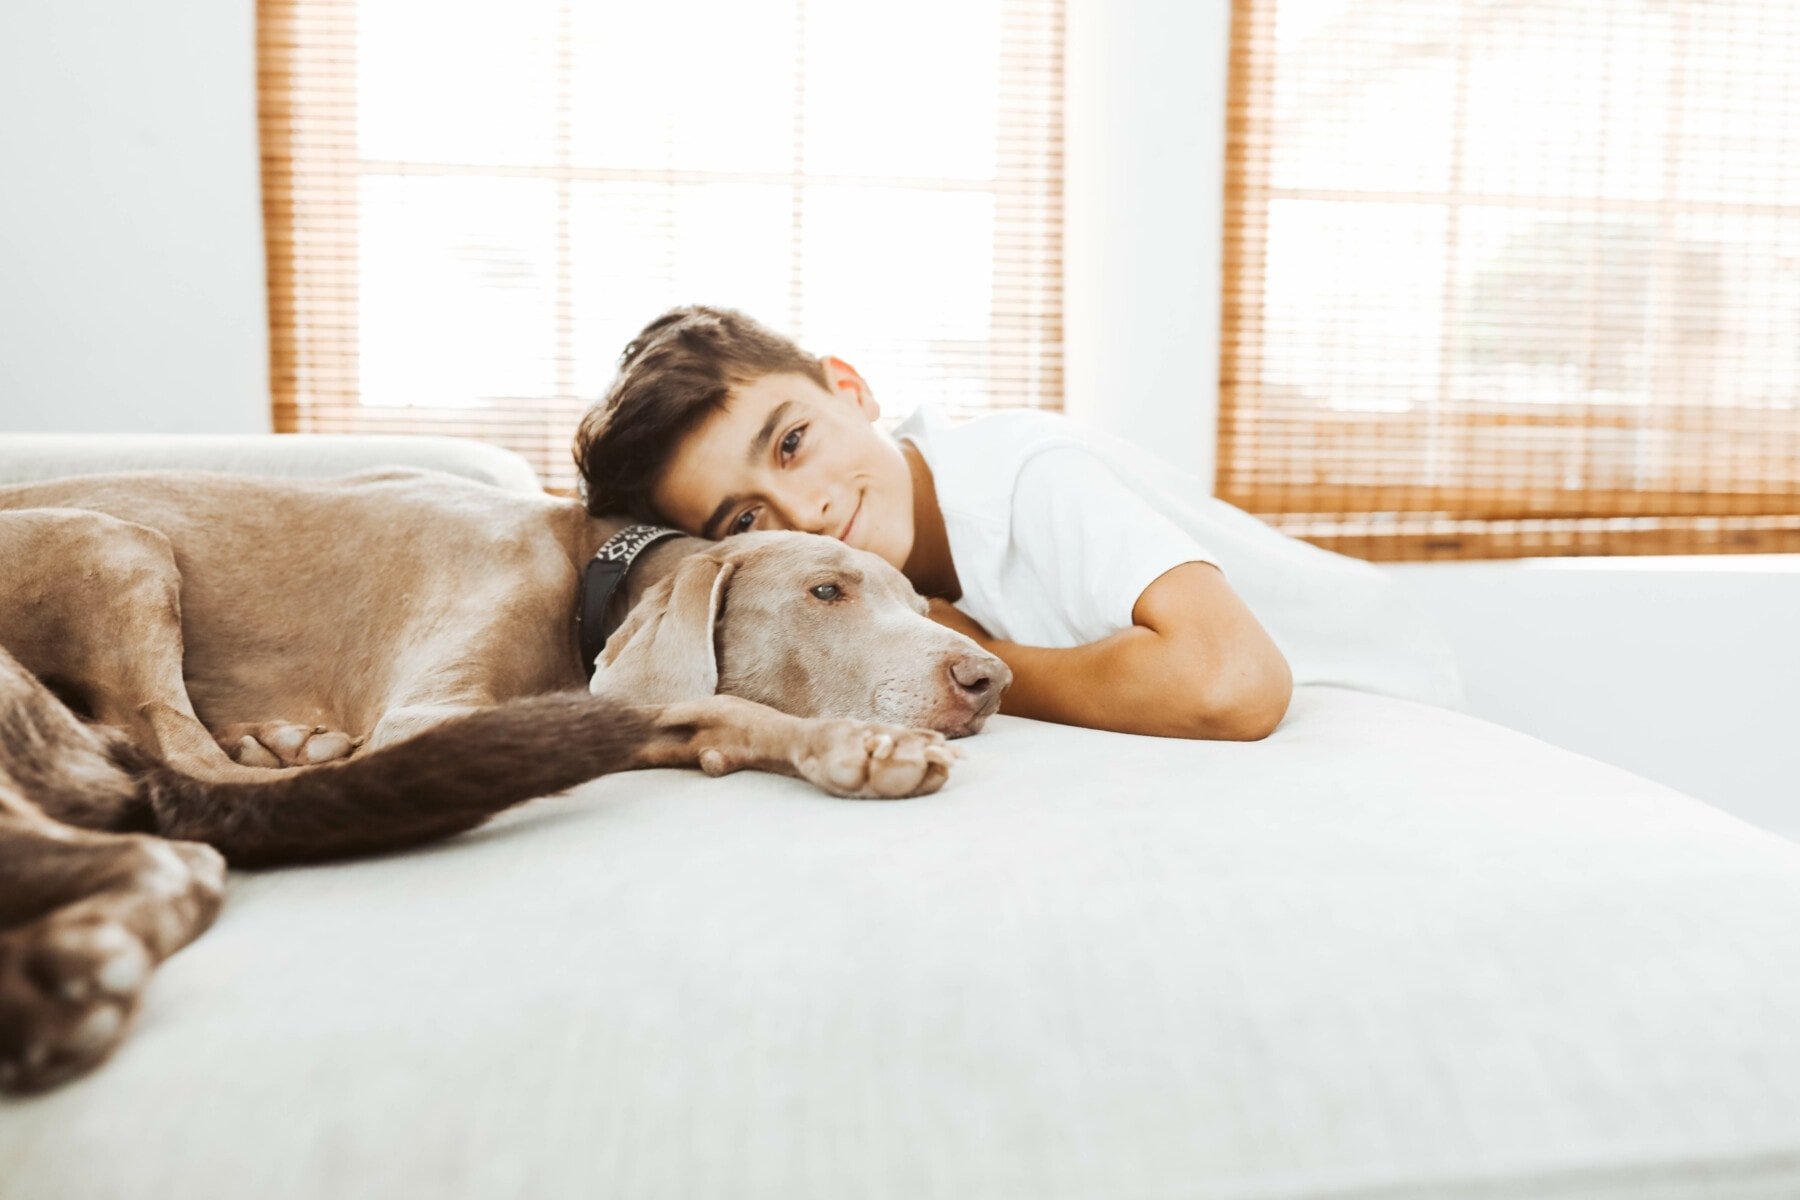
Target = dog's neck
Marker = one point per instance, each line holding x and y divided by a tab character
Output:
584	535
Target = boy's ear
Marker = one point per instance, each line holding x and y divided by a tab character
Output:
846	382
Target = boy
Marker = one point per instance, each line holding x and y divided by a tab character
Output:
1021	531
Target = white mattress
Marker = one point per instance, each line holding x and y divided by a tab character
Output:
1389	952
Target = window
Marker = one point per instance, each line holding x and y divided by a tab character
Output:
1518	277
471	208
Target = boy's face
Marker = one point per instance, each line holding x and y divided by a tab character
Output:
784	453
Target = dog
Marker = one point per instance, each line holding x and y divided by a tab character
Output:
200	669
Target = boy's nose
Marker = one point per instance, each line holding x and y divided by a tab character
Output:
801	516
813	514
826	518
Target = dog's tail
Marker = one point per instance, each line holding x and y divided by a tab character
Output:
443	780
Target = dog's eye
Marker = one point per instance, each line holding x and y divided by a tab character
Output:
827	591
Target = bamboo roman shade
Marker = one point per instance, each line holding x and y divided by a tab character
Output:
472	207
1514	277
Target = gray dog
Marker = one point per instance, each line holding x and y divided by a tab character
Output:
200	668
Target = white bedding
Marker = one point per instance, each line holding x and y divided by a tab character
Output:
1392	951
28	457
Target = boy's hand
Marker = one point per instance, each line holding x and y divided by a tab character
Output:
952	617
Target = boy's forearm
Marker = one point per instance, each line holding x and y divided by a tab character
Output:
1128	682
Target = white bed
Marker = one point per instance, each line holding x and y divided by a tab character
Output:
1391	951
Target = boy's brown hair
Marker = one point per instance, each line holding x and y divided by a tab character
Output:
676	372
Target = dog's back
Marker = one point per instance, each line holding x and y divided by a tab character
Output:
316	600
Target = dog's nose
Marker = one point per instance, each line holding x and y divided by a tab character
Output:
976	682
972	674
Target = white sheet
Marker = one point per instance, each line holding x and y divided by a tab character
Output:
1389	952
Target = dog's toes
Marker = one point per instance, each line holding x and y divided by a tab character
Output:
68	992
286	744
206	866
252	753
849	758
915	766
326	746
284	739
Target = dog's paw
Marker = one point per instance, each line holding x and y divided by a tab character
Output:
285	744
70	981
68	993
855	758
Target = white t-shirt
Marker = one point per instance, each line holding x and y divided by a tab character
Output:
1057	529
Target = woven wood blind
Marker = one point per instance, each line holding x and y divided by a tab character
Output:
471	208
1518	277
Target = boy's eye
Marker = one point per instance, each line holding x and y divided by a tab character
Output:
744	521
791	443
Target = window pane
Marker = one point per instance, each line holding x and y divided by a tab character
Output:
1360	111
892	91
641	248
473	207
1353	303
696	86
1553	114
898	282
1514	278
456	291
462	83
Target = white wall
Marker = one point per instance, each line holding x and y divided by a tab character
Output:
1685	670
131	255
1145	174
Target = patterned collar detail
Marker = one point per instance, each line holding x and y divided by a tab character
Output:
629	542
600	581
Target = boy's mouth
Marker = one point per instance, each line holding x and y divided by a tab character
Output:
844	535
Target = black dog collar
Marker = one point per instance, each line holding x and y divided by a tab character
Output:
601	579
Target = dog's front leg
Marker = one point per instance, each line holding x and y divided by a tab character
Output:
721	734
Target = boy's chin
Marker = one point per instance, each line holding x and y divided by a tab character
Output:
894	556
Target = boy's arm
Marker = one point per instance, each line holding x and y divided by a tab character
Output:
1195	663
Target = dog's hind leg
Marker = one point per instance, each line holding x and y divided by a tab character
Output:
92	606
84	919
84	915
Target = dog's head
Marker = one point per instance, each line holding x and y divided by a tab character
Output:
804	624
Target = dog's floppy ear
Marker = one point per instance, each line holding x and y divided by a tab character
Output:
664	651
